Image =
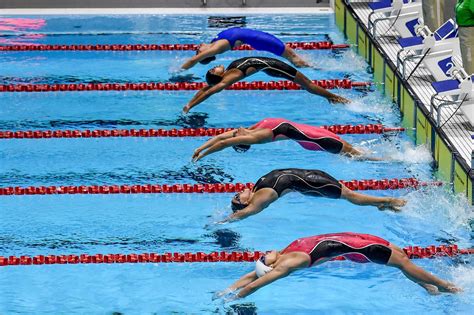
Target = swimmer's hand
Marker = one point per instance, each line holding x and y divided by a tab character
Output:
186	109
336	99
220	294
228	295
394	204
197	155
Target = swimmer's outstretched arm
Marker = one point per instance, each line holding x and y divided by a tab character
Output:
215	49
248	211
212	141
204	94
220	145
243	281
282	270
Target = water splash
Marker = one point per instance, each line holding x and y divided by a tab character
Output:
463	276
397	151
370	102
347	61
428	206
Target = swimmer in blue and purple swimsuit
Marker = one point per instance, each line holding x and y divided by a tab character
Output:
236	36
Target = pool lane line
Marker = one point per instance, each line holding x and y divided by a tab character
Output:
323	45
185	132
180	86
109	33
413	252
355	184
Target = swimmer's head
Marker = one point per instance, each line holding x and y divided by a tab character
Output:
241	148
265	263
241	200
202	48
214	75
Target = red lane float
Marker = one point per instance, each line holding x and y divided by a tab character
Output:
180	86
186	132
413	252
362	184
161	47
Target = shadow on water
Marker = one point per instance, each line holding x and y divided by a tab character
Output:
226	238
242	309
193	120
133	176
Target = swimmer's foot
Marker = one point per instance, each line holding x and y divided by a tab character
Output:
338	99
431	289
450	288
394	204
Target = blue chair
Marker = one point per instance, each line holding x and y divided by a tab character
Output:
404	13
440	45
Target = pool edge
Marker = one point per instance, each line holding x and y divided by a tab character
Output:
450	167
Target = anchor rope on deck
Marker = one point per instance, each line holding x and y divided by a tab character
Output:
185	132
180	86
413	252
324	45
355	184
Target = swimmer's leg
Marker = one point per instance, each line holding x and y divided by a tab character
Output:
429	282
312	88
348	149
366	200
292	57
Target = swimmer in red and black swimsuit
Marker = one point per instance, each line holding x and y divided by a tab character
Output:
315	250
314	183
275	129
219	78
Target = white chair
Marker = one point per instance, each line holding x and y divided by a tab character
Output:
403	13
457	91
436	49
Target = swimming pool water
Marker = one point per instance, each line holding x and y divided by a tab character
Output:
73	224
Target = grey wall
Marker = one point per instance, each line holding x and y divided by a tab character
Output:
12	4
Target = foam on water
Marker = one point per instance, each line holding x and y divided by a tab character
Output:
346	61
428	206
371	102
397	150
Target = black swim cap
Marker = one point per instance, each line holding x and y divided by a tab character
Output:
212	79
207	60
236	206
241	148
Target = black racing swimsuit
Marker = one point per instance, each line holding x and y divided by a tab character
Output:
309	182
377	253
329	144
271	66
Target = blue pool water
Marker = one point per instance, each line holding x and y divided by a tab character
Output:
31	225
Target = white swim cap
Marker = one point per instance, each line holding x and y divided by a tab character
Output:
261	268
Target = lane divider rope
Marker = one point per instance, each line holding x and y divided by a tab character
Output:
160	47
361	184
186	132
413	252
180	86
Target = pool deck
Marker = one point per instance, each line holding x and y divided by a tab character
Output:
457	129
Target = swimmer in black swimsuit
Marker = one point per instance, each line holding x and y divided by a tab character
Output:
219	78
315	250
314	183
